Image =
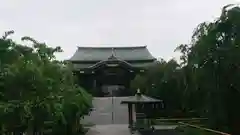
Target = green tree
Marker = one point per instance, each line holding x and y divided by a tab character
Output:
206	80
215	51
166	81
36	89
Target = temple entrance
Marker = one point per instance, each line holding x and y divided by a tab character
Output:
113	81
111	77
112	90
108	81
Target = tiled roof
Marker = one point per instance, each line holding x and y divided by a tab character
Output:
103	53
137	65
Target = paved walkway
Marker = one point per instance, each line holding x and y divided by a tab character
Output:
113	129
108	111
111	118
122	129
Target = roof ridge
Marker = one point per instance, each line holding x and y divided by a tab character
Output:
110	47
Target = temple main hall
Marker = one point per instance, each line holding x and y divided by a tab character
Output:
105	71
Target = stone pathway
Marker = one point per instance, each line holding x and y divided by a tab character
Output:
108	111
122	129
111	118
113	129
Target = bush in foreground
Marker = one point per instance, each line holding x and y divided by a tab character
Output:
37	92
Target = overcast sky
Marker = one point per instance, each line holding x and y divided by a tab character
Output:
159	24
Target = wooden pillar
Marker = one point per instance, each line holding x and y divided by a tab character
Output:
94	84
133	113
130	121
127	87
129	116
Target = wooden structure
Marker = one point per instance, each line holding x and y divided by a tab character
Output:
104	69
141	110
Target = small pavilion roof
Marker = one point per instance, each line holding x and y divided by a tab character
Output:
139	98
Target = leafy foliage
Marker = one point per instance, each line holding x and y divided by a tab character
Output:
215	49
36	89
207	79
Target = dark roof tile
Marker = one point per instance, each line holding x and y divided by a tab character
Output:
141	99
103	53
